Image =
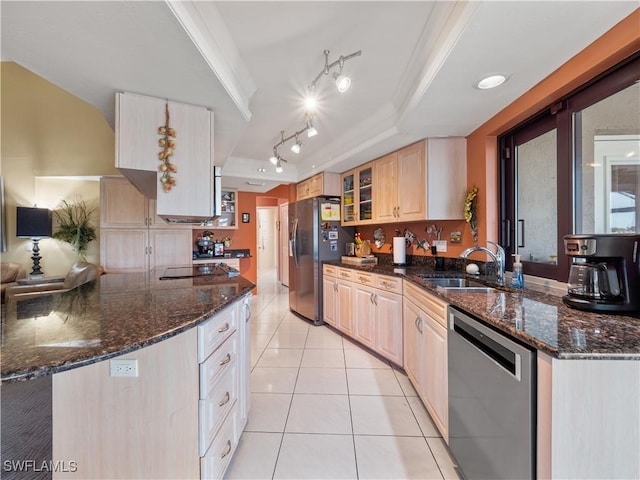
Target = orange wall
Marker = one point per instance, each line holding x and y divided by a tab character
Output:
245	236
482	162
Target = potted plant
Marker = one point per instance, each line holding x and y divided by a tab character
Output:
74	226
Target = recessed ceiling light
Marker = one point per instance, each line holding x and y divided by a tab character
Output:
262	170
491	81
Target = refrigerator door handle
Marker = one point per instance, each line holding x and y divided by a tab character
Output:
293	244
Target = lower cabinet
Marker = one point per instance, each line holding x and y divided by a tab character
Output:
181	417
367	307
137	249
425	351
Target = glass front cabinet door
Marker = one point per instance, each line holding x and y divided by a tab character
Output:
357	196
348	198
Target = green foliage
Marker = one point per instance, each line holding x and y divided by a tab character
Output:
74	225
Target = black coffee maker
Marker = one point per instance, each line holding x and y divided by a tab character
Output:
605	274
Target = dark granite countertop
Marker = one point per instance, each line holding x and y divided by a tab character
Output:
115	314
537	319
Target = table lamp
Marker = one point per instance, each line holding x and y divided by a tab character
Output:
34	223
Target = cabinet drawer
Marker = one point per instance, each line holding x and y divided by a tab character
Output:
214	408
389	284
429	303
364	278
224	358
212	333
330	270
345	273
214	463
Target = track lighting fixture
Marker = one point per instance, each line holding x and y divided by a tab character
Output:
342	81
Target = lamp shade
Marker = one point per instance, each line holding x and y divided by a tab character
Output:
33	222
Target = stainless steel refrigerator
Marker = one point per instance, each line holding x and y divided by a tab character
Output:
315	236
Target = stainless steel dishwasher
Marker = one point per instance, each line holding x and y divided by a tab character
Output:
491	401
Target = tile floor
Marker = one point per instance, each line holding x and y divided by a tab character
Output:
322	407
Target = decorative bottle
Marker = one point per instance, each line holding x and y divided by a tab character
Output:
517	278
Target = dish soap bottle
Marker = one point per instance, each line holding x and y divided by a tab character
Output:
517	279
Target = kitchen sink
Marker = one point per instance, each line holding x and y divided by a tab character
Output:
448	282
451	284
469	289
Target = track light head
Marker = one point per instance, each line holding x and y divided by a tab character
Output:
311	130
279	166
342	82
295	148
274	160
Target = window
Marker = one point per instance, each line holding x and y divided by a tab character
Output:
574	168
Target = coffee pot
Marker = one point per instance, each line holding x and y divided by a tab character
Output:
605	273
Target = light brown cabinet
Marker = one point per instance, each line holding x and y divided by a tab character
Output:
321	184
367	307
132	237
137	120
98	419
425	351
423	181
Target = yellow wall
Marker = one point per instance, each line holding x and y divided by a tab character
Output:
47	132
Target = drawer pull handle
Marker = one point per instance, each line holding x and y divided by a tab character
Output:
225	400
226	359
227	450
364	279
223	329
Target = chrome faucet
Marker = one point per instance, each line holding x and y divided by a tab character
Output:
498	257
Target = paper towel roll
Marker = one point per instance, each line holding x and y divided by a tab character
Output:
399	251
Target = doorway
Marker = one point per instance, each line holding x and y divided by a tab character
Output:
267	241
283	261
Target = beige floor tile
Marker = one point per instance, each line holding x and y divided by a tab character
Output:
319	414
280	357
363	381
395	458
316	456
443	458
255	457
363	359
322	380
323	358
268	412
376	415
273	379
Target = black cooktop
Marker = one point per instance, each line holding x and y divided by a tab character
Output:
204	270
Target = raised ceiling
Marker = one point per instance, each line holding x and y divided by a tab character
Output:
251	63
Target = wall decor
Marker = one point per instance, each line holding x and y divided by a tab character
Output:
167	143
245	218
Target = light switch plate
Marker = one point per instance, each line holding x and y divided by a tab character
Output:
441	245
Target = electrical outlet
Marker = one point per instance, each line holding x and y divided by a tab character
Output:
124	368
28	247
441	245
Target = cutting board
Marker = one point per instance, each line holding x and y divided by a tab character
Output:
370	260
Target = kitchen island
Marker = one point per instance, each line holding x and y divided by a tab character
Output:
68	412
587	369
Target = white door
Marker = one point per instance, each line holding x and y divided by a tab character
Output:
283	260
267	239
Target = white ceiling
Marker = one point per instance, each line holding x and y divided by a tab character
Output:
251	62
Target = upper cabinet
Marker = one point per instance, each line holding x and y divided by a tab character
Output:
138	118
358	196
320	184
423	181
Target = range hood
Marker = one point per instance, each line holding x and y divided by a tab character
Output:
216	206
